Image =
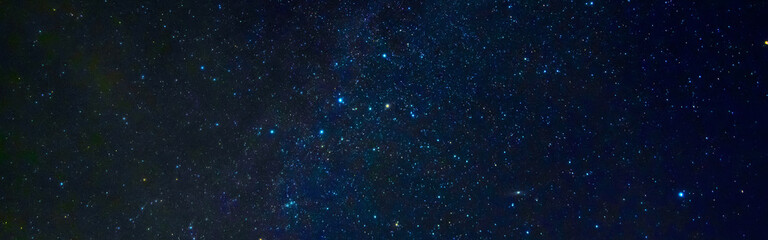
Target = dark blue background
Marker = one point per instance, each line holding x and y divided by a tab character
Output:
532	119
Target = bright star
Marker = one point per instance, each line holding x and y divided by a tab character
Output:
384	55
680	194
341	100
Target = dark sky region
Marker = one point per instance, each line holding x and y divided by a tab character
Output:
378	119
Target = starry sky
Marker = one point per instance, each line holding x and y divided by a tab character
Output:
383	119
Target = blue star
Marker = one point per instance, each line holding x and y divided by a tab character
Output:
384	55
680	194
202	67
61	184
321	132
341	100
271	131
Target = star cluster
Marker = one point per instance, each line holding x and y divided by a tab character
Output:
383	119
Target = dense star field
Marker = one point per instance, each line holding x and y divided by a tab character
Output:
383	119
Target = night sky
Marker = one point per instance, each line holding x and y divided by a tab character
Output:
383	119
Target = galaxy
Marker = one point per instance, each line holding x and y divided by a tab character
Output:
290	119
